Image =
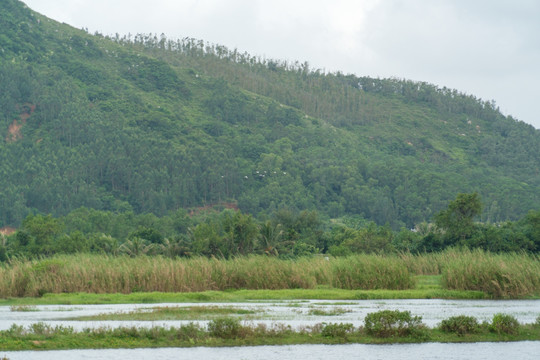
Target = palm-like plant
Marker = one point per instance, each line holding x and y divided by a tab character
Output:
270	236
172	248
136	247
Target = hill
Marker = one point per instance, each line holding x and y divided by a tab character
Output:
148	124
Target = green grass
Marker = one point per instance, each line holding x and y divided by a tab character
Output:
241	296
330	312
428	282
173	313
22	308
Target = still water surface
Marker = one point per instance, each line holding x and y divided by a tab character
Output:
529	350
293	313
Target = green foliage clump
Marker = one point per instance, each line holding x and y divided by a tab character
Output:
460	325
504	324
393	323
191	331
335	330
225	328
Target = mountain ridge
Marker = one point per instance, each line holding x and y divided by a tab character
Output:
151	125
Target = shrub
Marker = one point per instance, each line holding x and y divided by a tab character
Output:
337	330
154	333
460	325
191	331
126	332
16	330
504	324
225	328
388	323
40	328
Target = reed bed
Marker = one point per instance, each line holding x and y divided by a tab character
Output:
499	275
380	272
426	264
104	274
508	275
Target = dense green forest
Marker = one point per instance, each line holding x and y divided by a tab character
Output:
226	233
127	126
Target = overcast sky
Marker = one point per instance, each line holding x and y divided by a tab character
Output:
487	48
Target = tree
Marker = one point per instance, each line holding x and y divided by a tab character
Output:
457	219
149	234
532	224
137	246
241	232
38	233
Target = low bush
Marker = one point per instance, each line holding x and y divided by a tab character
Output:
191	331
460	325
390	323
504	324
16	331
43	329
337	330
225	328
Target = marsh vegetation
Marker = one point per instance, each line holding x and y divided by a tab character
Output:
380	327
508	275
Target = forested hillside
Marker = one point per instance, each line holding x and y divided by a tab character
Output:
153	125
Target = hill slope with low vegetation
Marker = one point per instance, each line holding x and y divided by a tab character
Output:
144	124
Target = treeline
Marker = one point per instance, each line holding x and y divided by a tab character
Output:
318	92
347	100
286	234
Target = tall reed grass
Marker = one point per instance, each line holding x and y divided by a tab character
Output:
500	275
103	274
508	275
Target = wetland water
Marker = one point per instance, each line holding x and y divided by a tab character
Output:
295	314
479	351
